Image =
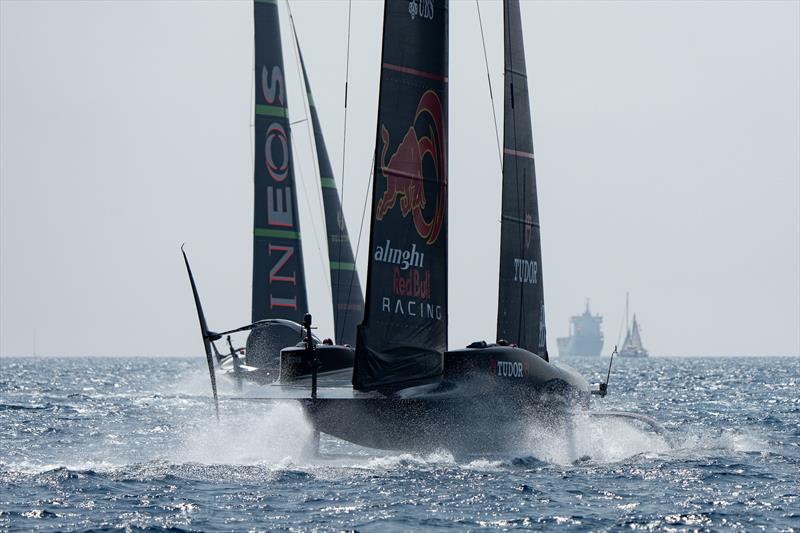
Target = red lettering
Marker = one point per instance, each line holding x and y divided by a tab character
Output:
274	275
415	284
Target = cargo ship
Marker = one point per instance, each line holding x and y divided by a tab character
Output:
585	337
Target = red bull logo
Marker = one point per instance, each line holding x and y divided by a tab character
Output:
404	170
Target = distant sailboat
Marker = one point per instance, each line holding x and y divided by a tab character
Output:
632	346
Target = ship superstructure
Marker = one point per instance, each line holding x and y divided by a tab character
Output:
585	336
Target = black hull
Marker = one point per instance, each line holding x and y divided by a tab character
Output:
456	424
483	403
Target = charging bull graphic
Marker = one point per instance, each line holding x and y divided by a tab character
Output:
404	171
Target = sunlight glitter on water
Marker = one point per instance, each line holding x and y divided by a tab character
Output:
143	450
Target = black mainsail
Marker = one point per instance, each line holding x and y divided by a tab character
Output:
520	313
279	288
404	333
348	301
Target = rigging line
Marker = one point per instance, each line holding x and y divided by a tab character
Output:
491	94
306	108
344	137
313	224
494	112
360	231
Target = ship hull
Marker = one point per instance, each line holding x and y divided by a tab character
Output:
484	401
633	354
455	424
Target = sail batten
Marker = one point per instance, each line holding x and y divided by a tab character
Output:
404	333
520	317
279	288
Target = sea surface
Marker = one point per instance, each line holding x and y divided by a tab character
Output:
90	444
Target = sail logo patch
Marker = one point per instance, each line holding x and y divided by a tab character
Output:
413	308
283	258
423	8
404	170
404	258
525	271
417	283
507	369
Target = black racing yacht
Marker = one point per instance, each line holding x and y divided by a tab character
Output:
389	380
279	298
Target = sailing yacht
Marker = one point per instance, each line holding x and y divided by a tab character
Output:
396	385
632	346
279	296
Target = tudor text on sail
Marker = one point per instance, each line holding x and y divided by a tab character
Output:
525	271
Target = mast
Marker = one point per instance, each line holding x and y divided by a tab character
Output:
520	315
279	288
348	301
627	321
404	334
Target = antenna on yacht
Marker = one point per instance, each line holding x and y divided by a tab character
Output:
602	388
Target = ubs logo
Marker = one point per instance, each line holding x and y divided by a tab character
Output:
423	8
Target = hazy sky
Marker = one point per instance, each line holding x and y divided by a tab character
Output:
667	137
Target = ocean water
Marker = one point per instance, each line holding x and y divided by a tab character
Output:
132	444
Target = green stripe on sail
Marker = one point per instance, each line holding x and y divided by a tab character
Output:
271	110
328	183
335	265
277	233
310	99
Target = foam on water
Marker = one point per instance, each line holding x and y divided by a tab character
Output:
278	435
600	440
262	434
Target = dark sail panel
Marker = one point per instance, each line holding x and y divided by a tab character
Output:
348	301
279	288
520	313
404	333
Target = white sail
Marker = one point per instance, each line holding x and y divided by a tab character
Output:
632	346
